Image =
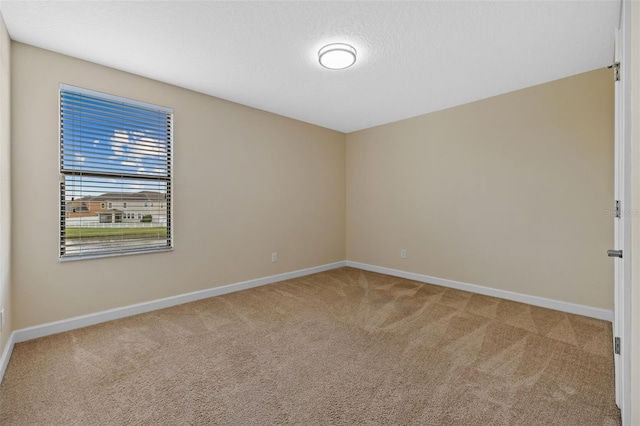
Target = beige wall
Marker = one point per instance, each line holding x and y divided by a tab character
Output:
5	184
509	192
246	183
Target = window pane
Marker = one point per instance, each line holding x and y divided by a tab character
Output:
102	141
114	156
95	223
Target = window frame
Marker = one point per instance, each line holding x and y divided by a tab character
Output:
168	180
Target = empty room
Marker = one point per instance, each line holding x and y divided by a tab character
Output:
347	212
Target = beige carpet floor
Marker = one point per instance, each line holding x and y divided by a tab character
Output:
344	347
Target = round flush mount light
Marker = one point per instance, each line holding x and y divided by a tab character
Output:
337	56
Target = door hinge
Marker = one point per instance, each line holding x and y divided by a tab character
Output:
617	211
616	71
616	346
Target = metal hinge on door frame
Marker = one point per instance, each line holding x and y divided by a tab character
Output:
616	346
617	209
616	71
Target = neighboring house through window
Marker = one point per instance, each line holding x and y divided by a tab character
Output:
114	153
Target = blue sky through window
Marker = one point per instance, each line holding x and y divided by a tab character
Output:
116	141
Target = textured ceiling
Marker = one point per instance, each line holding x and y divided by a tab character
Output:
413	57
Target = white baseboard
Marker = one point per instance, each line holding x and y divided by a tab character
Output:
48	329
140	308
6	355
572	308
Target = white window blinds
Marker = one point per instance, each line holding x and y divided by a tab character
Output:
116	169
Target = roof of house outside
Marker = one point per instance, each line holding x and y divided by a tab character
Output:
126	196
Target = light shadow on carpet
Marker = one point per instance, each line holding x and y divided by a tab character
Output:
340	347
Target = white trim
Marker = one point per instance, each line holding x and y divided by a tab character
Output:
572	308
140	308
623	287
6	355
48	329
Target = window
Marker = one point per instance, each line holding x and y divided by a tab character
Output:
116	149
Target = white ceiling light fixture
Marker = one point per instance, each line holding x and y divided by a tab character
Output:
337	56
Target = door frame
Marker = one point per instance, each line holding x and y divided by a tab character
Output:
622	275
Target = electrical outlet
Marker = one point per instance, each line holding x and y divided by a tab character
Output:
274	257
403	254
